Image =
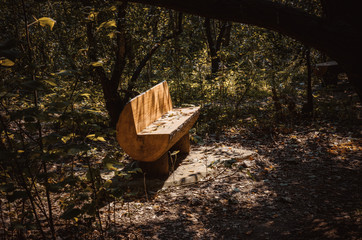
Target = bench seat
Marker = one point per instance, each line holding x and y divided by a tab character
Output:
171	122
149	127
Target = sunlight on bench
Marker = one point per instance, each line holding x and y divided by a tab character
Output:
149	127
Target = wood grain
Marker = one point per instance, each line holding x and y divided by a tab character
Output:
148	125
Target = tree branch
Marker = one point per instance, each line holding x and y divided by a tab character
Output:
340	37
329	37
221	36
210	40
148	56
121	51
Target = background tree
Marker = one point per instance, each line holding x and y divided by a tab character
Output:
67	68
336	32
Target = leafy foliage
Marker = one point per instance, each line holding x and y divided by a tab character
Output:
56	145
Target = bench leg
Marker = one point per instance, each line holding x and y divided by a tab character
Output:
158	168
183	145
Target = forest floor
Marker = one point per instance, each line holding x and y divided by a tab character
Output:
301	183
282	181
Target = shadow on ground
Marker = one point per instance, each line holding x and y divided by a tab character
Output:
299	189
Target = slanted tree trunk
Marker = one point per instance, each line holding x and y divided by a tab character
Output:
113	100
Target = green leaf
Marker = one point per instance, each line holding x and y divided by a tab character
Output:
108	183
93	173
6	62
55	188
112	35
46	21
97	64
100	139
87	95
229	163
71	212
250	175
17	195
51	138
19	226
92	15
175	153
108	24
74	151
64	73
110	166
8	187
109	161
94	138
50	82
112	8
65	139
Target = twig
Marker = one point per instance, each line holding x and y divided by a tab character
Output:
144	185
40	142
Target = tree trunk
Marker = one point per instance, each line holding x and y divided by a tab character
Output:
308	106
215	59
114	102
214	43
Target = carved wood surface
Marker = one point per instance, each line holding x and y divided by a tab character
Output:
148	125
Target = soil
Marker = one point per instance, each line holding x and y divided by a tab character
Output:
302	183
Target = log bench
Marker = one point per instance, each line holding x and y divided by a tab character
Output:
148	127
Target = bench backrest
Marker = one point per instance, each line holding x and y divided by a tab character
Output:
150	105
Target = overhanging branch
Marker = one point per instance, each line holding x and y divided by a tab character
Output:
329	37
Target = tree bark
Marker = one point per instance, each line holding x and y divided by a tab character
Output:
308	106
214	43
215	60
151	52
114	102
339	35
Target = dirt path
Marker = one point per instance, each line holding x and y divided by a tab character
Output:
305	184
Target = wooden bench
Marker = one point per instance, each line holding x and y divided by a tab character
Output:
149	127
328	72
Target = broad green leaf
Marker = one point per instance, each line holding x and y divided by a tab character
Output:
111	35
110	161
71	212
91	136
108	24
100	139
85	95
74	151
92	16
65	139
113	8
97	64
93	173
175	153
80	51
110	166
7	187
51	138
19	226
94	111
64	73
50	82
94	138
108	183
17	195
6	62
46	21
